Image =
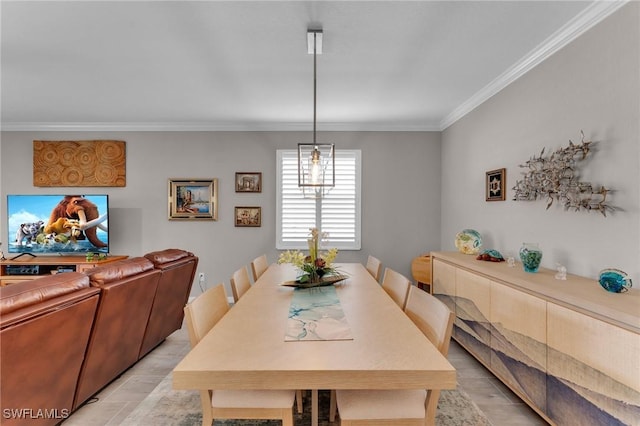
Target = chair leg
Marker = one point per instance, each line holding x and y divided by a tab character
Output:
332	406
431	406
287	418
207	415
299	400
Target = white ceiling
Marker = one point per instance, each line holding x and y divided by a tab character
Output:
238	65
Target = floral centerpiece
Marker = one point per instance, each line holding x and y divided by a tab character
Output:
314	266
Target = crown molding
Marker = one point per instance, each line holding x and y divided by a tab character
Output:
588	18
214	127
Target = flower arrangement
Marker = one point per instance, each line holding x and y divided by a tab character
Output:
316	264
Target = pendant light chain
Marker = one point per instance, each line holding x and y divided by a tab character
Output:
316	161
314	87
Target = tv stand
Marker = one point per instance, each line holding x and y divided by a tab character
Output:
16	270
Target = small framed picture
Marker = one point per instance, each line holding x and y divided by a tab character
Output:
495	185
248	216
248	182
191	199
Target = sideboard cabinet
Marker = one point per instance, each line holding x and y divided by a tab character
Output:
569	349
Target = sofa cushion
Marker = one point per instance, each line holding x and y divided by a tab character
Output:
41	352
168	255
36	291
119	270
178	270
127	290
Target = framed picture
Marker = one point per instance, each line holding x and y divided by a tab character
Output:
193	199
248	216
248	182
496	180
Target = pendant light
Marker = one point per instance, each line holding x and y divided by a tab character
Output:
316	161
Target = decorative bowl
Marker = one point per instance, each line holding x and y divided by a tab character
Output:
468	241
324	281
614	280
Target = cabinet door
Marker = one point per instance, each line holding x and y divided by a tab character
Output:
518	342
473	304
444	283
593	370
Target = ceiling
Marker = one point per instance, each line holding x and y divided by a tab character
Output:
243	65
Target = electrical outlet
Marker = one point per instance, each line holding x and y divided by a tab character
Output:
202	282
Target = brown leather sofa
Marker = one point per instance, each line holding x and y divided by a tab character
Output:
45	326
178	269
64	337
127	289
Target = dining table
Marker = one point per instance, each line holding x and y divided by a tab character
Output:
249	348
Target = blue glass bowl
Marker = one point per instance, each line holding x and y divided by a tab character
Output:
614	280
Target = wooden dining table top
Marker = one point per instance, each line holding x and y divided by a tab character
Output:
246	349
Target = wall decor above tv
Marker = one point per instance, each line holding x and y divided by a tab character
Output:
56	224
79	163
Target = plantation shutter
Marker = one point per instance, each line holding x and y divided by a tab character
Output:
337	213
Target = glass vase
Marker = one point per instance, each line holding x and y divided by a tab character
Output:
531	256
614	280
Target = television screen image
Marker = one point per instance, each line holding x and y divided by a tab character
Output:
58	224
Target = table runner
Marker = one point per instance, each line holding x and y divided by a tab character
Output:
316	314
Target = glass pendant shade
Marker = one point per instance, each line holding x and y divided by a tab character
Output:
316	168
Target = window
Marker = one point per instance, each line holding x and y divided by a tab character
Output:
337	213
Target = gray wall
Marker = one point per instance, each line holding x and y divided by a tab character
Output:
593	84
416	195
400	192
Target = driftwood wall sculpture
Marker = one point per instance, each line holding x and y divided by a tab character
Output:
556	178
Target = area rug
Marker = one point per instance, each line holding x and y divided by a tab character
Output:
165	406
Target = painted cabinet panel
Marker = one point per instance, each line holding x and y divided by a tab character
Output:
593	370
518	342
444	284
570	349
473	310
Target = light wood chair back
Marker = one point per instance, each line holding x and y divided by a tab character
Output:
240	283
201	315
258	266
396	285
203	312
431	316
403	407
374	266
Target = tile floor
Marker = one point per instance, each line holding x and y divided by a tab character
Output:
121	397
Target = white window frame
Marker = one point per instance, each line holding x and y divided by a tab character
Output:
297	238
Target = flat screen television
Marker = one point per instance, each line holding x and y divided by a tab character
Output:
58	224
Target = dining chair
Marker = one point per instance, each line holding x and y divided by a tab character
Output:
374	266
258	266
406	407
239	286
240	283
201	315
396	285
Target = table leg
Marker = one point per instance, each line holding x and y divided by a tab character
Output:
314	407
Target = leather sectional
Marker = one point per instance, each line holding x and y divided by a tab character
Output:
66	336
